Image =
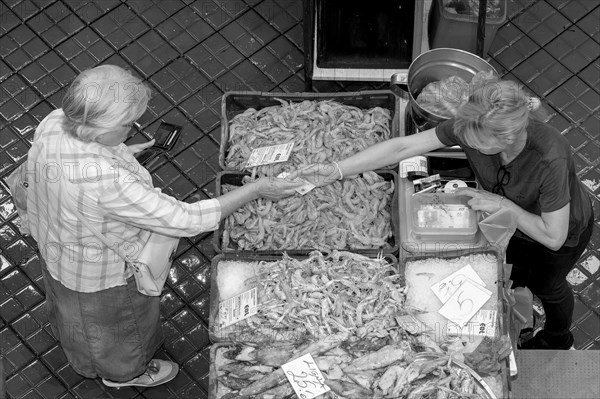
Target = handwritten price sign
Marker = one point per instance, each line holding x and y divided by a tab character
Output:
448	286
305	377
465	302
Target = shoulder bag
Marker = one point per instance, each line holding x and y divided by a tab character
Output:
151	267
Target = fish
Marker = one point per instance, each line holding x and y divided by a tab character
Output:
384	357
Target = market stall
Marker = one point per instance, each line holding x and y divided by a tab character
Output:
343	291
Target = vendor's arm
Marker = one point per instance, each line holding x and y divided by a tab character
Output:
140	205
549	229
377	156
390	152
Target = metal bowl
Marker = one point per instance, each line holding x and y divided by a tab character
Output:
435	65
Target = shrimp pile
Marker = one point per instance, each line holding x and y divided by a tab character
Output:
322	131
352	214
386	370
303	299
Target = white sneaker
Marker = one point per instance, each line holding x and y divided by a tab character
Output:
157	372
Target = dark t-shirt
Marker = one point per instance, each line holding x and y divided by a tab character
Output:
542	176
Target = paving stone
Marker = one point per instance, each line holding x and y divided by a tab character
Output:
191	53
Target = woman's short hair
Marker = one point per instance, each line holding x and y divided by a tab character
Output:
498	109
102	98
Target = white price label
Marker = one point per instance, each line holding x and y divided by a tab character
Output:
305	377
238	308
483	324
271	154
445	288
465	302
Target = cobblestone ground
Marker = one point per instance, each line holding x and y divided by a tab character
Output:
191	52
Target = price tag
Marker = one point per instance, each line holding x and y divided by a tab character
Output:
238	308
465	302
305	377
483	324
271	154
445	288
305	188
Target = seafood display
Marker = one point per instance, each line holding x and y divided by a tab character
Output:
365	325
350	313
351	370
320	295
445	97
420	275
351	214
322	131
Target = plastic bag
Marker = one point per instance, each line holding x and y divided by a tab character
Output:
499	227
487	357
444	97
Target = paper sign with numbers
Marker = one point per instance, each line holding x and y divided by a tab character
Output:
445	288
483	324
271	154
238	308
305	377
465	302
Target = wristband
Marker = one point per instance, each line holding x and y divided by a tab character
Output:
339	170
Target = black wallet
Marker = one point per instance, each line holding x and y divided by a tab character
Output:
166	136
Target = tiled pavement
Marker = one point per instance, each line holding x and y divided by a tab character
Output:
191	52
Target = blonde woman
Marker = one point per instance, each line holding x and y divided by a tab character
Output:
522	165
105	326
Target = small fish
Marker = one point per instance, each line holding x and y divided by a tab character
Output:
233	382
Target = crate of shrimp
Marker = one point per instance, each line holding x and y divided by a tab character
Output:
263	300
315	127
356	214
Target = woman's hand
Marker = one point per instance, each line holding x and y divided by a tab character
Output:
482	200
320	174
274	188
135	148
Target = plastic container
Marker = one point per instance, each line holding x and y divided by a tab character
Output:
442	216
391	247
234	103
447	29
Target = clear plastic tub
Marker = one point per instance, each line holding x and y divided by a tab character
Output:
442	216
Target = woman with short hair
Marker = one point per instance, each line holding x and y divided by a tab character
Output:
105	326
521	164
